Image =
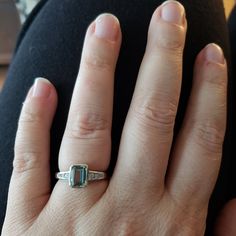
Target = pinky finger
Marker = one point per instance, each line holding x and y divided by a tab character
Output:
30	182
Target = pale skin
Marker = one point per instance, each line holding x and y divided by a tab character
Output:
142	197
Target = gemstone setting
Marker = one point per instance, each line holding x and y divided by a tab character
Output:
78	176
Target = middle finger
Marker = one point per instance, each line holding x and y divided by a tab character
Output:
148	131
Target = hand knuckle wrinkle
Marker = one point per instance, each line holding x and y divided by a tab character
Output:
88	126
25	161
157	115
210	137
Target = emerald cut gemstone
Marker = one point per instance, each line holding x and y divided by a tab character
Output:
78	176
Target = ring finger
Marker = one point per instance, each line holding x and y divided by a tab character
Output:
87	135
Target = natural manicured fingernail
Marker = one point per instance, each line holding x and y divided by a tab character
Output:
41	88
214	53
107	27
172	11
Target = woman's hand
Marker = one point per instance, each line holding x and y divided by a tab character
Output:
153	191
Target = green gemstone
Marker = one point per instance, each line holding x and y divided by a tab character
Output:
78	176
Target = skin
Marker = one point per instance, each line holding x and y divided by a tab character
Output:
226	221
152	191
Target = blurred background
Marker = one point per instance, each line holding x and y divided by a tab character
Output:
13	13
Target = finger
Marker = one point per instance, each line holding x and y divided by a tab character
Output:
198	151
30	182
87	135
147	136
225	224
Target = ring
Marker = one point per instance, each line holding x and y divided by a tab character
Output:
79	176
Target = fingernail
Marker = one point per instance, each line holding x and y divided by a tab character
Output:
214	53
41	88
107	27
172	11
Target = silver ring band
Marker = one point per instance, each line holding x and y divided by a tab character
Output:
79	176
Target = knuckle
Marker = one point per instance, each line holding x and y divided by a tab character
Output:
25	161
88	126
210	137
170	38
216	74
30	115
97	62
157	114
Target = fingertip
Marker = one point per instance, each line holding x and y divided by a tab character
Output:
42	89
41	102
214	53
106	26
168	27
211	65
172	12
211	53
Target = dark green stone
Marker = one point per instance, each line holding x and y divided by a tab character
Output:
79	176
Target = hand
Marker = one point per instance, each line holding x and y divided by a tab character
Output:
142	197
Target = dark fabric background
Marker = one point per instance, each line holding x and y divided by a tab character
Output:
232	31
50	46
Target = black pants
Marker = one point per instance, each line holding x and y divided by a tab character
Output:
50	46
